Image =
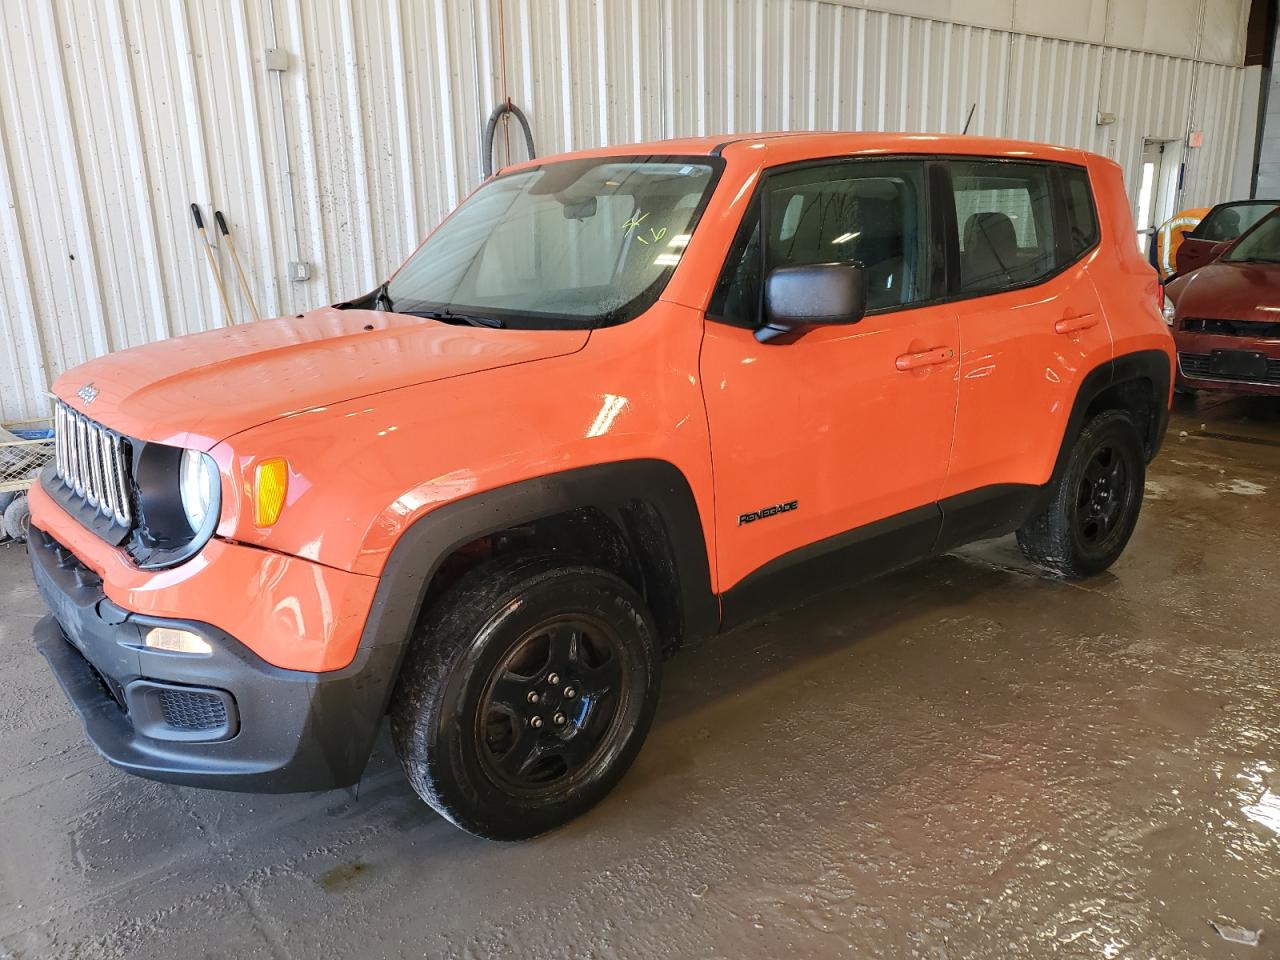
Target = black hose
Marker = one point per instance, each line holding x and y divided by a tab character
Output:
492	126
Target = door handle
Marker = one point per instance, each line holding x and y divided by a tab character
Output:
1074	324
928	358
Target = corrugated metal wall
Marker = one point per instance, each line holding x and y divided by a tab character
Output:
117	114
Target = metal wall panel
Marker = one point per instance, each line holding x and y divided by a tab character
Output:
115	115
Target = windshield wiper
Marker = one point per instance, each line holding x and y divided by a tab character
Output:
447	317
381	298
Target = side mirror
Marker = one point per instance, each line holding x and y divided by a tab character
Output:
817	294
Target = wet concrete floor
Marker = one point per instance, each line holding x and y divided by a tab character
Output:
966	759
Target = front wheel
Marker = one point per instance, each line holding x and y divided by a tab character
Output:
1094	504
526	695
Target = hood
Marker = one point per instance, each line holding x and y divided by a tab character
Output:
1230	291
197	390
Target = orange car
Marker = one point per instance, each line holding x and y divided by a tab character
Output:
617	400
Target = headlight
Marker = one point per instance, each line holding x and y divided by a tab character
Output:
198	484
179	498
1168	310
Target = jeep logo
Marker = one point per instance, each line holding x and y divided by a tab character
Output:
88	393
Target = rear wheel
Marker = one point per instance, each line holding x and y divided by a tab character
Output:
526	695
1094	505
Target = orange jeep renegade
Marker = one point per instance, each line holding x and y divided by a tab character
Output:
618	400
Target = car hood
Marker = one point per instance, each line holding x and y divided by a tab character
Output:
1230	291
197	390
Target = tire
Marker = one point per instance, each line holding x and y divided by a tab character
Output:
461	717
17	520
1094	504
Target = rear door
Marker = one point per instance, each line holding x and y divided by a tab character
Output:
1031	327
848	426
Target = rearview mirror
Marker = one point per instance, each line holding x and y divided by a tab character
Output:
581	210
812	295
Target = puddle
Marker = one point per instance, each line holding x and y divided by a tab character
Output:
1243	488
1157	491
342	876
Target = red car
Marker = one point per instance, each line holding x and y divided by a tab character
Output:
1226	316
1214	233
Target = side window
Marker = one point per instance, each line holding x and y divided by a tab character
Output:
869	212
1082	219
1004	213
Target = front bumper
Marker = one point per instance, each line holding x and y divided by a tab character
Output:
227	720
1195	351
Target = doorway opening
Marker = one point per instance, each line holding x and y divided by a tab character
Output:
1157	188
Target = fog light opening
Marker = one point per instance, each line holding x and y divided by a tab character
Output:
172	640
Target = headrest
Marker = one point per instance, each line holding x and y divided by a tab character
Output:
993	229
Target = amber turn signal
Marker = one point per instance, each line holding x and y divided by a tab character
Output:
270	484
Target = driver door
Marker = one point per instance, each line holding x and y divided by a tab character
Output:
829	451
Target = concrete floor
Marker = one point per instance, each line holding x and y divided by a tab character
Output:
966	759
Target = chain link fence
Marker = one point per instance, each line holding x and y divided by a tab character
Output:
25	448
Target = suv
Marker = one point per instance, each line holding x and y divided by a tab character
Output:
617	401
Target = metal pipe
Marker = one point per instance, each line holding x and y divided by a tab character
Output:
296	252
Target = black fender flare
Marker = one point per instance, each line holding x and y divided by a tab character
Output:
423	547
1152	365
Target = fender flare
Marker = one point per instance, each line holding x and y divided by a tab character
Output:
1152	365
423	547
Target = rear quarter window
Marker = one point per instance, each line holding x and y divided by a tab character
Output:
1082	217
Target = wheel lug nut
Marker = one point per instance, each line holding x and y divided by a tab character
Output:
553	678
533	696
535	722
559	719
570	693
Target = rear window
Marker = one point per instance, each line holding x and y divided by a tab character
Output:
1012	229
1004	213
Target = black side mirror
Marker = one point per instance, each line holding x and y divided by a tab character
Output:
812	295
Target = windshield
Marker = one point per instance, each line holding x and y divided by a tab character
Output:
576	243
1262	244
1230	220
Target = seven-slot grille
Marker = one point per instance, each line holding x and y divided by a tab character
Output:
93	462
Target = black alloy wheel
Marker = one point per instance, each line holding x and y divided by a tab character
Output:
552	705
527	691
1092	505
1104	496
